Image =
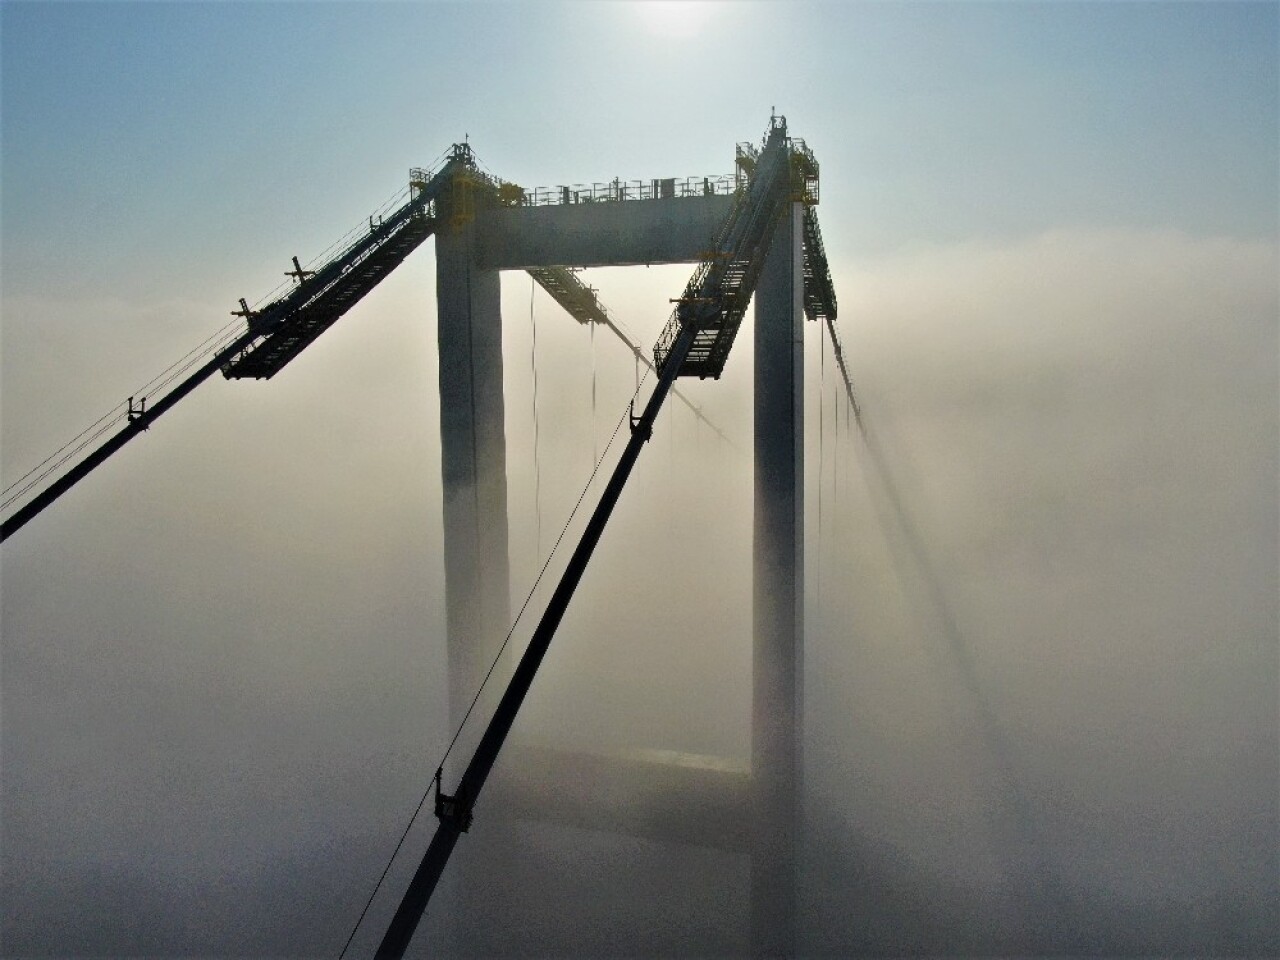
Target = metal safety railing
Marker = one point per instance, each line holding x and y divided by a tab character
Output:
621	190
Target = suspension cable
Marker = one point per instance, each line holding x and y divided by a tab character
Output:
54	461
385	870
212	344
546	563
105	428
498	656
338	245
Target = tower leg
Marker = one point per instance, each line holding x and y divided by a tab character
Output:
473	464
474	473
778	604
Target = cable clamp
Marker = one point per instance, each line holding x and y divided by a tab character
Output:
452	810
138	412
637	423
253	318
297	273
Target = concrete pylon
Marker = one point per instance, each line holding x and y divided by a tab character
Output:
473	462
778	591
477	567
473	468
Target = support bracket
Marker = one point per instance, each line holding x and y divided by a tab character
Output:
638	424
454	810
138	412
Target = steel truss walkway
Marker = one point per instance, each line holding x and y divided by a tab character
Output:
716	297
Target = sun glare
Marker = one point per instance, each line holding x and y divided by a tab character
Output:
674	19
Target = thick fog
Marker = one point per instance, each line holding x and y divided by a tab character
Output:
1041	628
1041	684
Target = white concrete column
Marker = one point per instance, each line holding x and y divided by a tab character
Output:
473	464
778	598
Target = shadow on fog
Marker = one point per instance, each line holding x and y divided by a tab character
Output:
863	896
1046	907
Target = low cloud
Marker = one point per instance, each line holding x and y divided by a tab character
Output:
1042	643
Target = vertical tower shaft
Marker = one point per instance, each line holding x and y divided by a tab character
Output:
473	463
778	590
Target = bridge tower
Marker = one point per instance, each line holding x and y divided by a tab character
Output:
758	814
473	457
777	714
483	226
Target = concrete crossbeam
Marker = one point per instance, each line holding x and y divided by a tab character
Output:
654	794
600	234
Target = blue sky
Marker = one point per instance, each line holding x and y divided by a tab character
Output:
1044	598
148	137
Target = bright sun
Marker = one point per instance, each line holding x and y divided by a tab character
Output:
674	19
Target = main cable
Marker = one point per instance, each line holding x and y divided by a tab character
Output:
18	495
489	673
210	345
542	572
11	495
385	870
524	606
341	244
